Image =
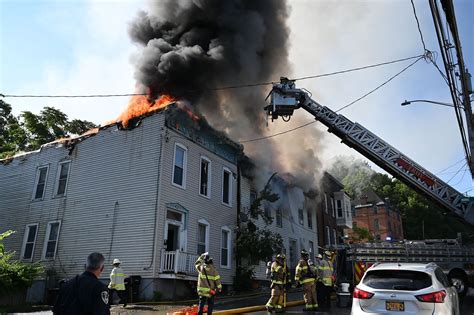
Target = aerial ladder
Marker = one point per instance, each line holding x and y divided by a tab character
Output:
285	98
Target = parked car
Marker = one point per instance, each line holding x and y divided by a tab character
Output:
405	288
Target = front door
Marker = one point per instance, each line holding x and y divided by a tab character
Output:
172	241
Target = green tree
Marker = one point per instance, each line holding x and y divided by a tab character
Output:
15	275
29	131
12	135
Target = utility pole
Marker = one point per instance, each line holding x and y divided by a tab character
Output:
458	77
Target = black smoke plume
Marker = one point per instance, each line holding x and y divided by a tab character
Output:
190	47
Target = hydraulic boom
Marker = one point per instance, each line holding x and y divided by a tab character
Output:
285	98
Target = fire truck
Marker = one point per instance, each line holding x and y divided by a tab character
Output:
456	260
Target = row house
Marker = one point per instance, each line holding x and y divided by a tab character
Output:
378	216
334	213
155	195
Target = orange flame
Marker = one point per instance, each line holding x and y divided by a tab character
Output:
140	105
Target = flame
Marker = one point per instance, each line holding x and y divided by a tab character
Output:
141	104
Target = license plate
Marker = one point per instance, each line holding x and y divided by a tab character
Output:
395	306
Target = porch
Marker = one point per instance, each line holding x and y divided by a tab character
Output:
178	265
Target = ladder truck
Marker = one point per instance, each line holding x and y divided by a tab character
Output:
285	98
456	260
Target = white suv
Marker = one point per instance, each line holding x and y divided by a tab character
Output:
405	288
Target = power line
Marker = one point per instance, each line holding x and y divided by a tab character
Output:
378	87
459	170
218	88
418	25
340	109
456	163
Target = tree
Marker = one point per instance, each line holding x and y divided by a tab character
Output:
256	244
29	131
15	275
12	135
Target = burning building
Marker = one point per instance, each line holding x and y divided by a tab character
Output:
156	195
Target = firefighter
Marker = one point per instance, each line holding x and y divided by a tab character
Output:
279	275
325	283
209	282
304	276
117	283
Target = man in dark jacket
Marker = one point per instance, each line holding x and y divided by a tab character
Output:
85	294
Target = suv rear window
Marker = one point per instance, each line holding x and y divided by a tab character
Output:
397	280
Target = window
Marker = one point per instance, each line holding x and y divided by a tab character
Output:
311	250
179	169
406	280
300	216
334	236
333	211
376	209
253	197
51	240
326	203
225	247
268	212
227	187
376	224
310	219
328	235
63	174
205	177
339	208
29	242
41	176
279	218
203	237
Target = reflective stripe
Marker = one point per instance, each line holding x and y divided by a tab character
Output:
302	268
204	289
324	268
277	282
278	268
203	276
308	280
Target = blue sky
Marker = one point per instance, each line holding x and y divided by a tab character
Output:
82	47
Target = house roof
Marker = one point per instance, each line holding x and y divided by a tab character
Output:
368	197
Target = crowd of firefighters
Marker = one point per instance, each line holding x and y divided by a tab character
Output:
315	278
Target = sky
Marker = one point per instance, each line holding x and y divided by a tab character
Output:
82	47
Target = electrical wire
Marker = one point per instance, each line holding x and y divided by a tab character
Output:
456	163
459	170
418	25
340	109
219	88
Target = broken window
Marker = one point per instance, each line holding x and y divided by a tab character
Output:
29	241
62	178
204	186
41	176
51	240
226	187
179	170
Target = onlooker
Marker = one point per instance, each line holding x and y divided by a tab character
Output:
117	283
85	294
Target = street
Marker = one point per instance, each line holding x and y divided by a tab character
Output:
466	307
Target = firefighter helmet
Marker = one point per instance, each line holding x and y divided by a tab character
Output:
304	254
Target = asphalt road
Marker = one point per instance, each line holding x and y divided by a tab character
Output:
466	308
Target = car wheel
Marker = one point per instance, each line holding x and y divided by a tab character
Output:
459	282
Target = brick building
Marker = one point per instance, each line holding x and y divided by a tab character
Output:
378	216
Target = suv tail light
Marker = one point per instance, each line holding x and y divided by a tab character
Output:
361	294
434	297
